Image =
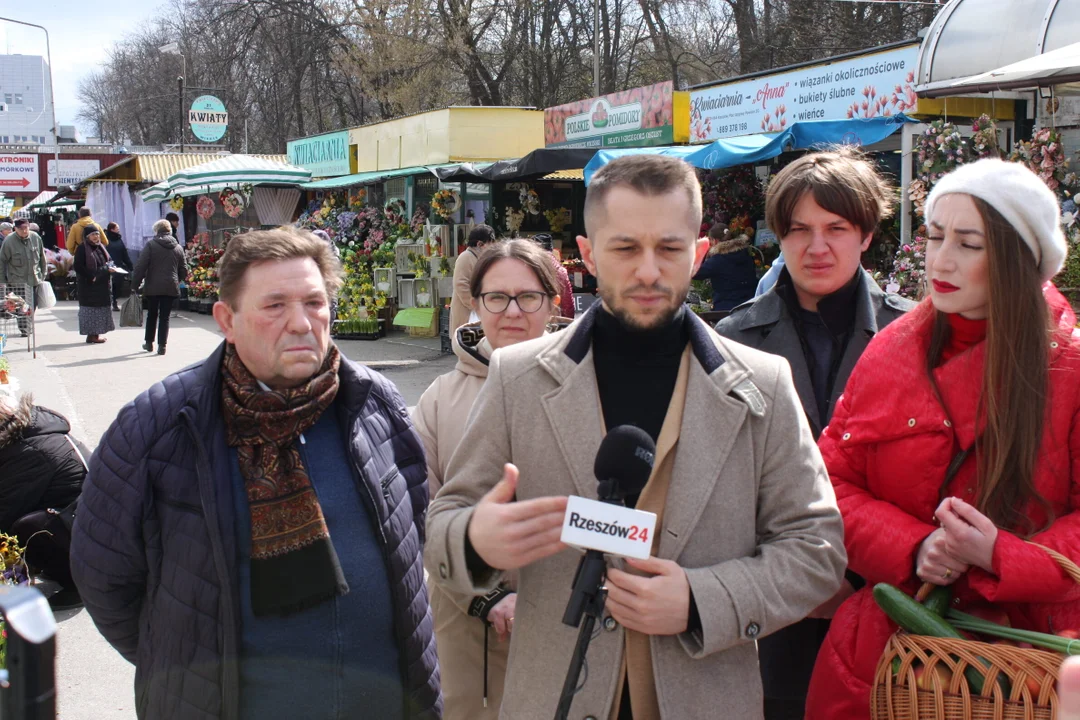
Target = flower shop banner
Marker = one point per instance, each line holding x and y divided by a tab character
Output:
324	155
869	86
640	117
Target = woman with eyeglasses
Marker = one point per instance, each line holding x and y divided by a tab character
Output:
514	293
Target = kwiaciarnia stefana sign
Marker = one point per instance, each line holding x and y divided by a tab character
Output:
208	118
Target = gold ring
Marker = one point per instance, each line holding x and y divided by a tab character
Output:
948	573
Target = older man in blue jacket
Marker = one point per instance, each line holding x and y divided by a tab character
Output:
250	533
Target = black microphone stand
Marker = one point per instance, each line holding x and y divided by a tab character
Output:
586	605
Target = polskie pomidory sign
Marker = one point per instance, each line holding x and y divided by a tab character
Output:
632	118
873	85
324	155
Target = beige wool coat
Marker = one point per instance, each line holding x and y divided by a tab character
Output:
439	418
750	516
461	301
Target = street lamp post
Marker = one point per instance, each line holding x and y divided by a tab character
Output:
174	49
52	96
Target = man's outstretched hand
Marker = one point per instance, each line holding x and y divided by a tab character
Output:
508	535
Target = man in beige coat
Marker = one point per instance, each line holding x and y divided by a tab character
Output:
748	538
461	301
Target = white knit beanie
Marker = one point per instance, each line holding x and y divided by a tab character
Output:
1021	197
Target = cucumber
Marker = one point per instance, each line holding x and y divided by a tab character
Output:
910	615
918	620
938	600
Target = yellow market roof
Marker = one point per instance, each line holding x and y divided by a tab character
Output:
566	175
157	167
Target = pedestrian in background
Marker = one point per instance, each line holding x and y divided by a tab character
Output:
515	294
5	229
161	264
78	230
461	301
562	278
22	262
119	254
174	224
250	532
820	316
955	450
93	269
729	268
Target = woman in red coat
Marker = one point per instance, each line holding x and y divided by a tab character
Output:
958	435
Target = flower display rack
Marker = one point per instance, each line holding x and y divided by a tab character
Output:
401	257
406	294
425	292
368	329
385	280
444	287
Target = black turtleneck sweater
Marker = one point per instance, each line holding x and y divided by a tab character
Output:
636	371
824	334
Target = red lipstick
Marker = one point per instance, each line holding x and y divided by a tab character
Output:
944	287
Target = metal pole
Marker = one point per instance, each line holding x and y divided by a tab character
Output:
52	97
180	105
596	48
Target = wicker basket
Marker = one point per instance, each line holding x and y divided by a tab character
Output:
1030	677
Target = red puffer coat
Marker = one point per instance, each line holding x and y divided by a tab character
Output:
887	450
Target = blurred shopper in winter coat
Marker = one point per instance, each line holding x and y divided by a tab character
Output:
118	252
562	278
41	473
729	268
93	268
820	316
161	264
77	232
956	441
40	465
515	294
461	301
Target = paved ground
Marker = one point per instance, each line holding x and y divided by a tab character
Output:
89	384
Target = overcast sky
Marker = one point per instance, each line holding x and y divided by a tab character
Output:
80	32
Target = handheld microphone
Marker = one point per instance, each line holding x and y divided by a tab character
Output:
623	465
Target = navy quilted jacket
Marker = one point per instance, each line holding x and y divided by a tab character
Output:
152	554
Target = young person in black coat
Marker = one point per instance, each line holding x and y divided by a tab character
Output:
119	254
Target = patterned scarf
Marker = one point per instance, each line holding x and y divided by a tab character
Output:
293	563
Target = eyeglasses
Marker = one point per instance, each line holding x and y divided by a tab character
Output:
527	302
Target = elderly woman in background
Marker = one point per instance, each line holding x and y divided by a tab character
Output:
162	265
94	269
514	291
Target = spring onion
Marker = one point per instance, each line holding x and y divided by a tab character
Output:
963	621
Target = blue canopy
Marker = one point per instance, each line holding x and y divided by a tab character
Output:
753	148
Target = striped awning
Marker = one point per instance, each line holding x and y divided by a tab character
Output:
371	177
158	166
155	167
228	171
43	198
156	193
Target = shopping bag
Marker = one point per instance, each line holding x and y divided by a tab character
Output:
131	311
45	296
